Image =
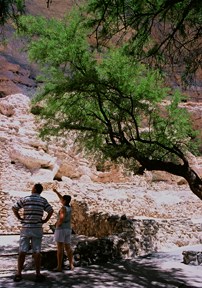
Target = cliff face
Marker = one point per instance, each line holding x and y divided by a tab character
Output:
17	75
150	212
24	156
26	159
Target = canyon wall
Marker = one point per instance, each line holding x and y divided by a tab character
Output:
146	213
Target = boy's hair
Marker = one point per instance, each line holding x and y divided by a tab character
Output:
39	188
67	199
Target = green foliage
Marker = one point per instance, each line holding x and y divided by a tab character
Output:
157	31
11	9
114	103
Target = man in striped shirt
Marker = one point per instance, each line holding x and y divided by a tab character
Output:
33	207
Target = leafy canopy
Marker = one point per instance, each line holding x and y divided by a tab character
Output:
115	103
159	31
11	9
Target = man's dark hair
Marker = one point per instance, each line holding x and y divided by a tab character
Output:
38	188
67	199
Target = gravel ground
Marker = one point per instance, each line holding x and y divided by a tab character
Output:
163	269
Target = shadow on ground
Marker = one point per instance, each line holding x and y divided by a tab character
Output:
125	274
157	270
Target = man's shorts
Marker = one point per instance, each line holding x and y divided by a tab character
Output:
30	239
63	235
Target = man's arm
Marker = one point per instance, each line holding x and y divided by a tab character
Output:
47	217
16	213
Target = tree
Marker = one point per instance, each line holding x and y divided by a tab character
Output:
11	9
115	104
159	31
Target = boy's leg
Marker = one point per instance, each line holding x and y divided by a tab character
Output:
69	252
60	252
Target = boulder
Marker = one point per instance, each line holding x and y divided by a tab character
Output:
192	257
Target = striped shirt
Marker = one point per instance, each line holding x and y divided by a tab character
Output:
33	209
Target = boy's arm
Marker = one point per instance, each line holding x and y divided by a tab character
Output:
61	218
58	194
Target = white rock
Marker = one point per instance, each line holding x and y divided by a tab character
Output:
31	158
42	175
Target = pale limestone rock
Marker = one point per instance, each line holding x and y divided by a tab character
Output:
197	165
31	158
85	178
14	104
67	180
158	176
24	157
42	175
6	109
84	170
68	169
181	181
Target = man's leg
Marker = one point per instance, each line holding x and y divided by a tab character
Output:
21	260
23	247
69	252
36	247
37	261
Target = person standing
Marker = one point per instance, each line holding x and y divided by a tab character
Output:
33	207
63	232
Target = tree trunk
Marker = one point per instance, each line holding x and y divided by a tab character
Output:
185	171
195	182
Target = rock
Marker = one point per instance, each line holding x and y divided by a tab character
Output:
192	257
14	104
6	109
182	181
31	158
49	259
96	251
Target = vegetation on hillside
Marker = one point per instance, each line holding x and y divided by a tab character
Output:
11	10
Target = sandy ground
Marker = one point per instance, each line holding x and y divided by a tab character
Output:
163	269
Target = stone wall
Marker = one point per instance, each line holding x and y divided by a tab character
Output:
134	237
141	235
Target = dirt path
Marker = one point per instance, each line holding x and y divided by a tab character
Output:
157	270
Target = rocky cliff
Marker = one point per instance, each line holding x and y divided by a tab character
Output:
17	74
153	211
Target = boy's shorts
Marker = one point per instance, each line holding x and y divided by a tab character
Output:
63	235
